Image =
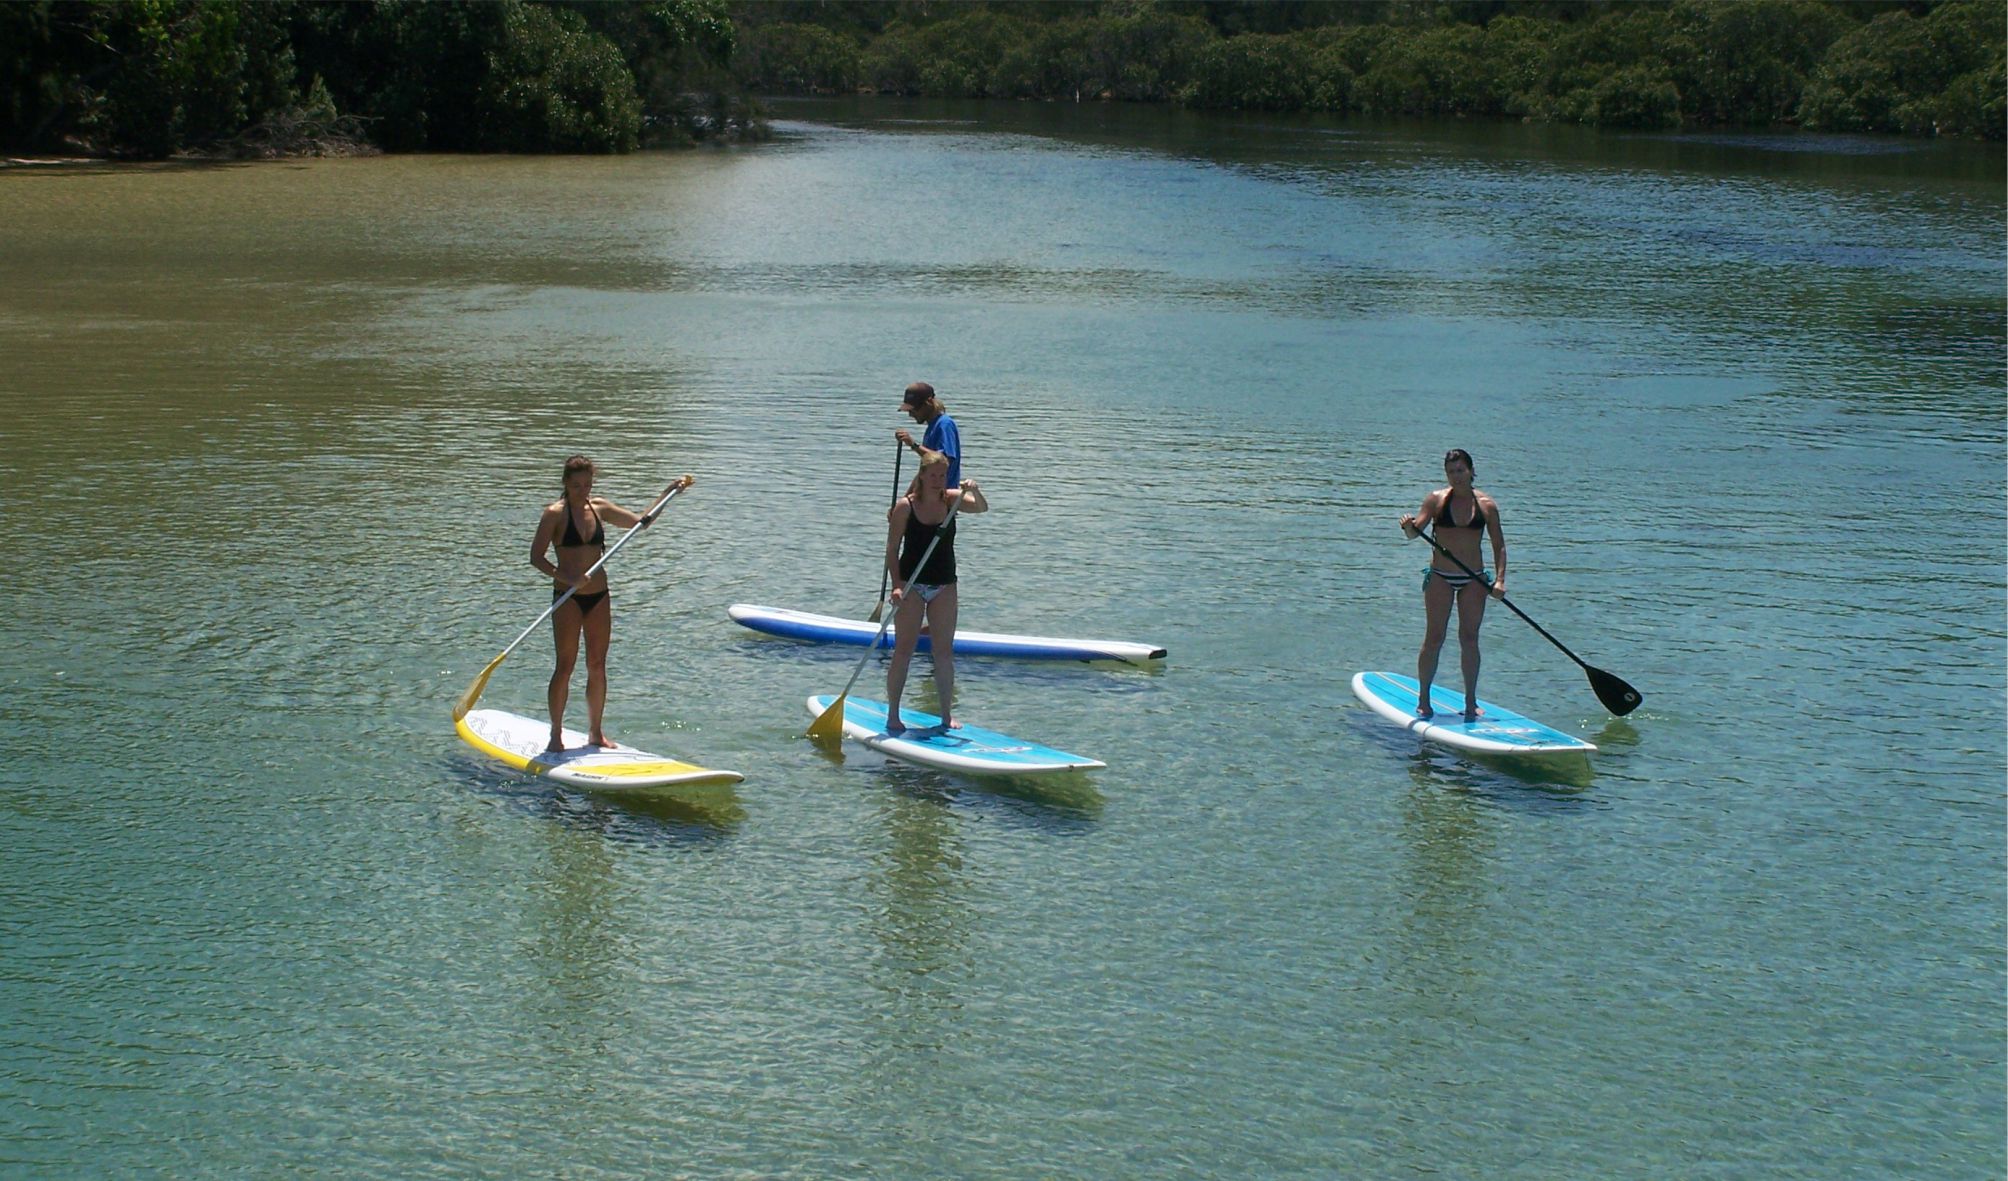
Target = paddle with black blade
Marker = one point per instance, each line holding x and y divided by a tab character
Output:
828	728
1617	696
473	693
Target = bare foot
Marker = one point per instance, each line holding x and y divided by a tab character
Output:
950	724
1423	713
556	746
895	727
1473	714
604	743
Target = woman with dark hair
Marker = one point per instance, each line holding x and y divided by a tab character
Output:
911	527
576	525
1463	516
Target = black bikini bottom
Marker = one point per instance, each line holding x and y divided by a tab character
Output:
585	601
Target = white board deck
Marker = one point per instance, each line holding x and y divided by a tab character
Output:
1497	731
835	629
972	750
519	742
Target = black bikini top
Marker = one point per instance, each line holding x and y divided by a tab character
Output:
1445	521
571	537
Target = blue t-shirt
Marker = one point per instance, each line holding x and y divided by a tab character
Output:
943	437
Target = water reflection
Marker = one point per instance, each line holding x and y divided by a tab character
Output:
578	942
1503	777
1617	734
670	816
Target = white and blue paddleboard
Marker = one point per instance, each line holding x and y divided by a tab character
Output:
1498	730
519	742
968	749
834	629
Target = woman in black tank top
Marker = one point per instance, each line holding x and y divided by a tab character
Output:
913	525
576	527
1463	517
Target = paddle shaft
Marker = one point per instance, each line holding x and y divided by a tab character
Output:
903	591
1438	546
647	519
885	576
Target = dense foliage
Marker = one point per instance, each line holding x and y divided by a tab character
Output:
1922	67
148	78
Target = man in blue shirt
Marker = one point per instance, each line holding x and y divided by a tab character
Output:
941	433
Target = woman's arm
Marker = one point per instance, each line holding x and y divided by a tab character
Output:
547	531
1413	525
1498	534
895	527
972	498
611	512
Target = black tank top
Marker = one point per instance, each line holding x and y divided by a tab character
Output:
940	568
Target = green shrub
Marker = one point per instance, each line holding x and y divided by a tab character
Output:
554	85
1255	71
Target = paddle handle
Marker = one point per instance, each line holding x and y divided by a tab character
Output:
898	457
907	586
648	518
1438	546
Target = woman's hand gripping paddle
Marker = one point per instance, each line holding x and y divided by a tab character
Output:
473	693
828	728
1617	696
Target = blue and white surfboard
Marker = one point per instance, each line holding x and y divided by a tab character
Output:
1497	731
834	629
969	749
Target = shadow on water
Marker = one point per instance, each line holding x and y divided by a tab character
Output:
1555	782
1617	734
673	815
1054	802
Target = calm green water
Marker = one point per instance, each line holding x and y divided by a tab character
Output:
273	440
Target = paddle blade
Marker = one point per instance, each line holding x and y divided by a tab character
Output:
473	693
878	612
1617	696
828	728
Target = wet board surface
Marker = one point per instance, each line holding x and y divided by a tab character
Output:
1498	730
970	749
834	629
519	742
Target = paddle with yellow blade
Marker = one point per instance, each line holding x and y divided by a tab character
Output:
828	728
473	693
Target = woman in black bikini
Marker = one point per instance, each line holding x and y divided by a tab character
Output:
1462	515
910	526
577	526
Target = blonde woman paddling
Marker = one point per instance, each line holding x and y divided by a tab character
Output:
911	526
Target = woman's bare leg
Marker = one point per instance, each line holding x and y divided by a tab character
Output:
599	631
1436	600
565	626
941	639
906	623
1470	613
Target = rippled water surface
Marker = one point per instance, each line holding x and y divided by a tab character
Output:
274	439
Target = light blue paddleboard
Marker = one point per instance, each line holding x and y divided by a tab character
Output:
1497	731
968	749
